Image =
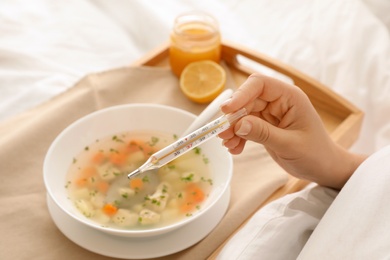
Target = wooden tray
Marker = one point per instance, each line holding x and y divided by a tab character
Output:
341	118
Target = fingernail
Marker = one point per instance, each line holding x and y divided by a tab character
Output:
245	128
226	102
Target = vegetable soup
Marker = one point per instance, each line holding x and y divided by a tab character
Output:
97	182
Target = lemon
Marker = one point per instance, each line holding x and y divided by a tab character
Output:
202	81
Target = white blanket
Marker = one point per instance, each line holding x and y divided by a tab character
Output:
319	223
356	225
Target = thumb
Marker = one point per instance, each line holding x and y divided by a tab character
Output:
257	130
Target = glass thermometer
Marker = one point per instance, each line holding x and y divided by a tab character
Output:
189	142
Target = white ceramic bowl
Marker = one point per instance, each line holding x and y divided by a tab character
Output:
149	117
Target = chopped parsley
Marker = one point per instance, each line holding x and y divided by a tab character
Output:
117	139
205	160
67	184
113	150
188	178
197	150
153	141
164	189
156	202
210	181
171	166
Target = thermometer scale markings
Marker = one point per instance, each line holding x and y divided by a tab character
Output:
188	142
192	140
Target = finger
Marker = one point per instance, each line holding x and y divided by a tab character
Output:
232	143
247	92
255	93
227	134
239	148
257	130
270	118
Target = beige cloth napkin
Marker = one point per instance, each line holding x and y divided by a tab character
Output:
28	231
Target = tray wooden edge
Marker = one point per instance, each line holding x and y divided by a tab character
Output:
153	57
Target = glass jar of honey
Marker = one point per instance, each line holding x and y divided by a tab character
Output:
195	36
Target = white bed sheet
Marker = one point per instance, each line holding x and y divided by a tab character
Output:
47	46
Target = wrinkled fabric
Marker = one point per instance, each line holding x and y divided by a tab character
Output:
281	229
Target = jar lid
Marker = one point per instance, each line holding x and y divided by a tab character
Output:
196	25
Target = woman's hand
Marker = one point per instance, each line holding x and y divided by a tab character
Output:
282	118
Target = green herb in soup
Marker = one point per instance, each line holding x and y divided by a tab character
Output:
97	182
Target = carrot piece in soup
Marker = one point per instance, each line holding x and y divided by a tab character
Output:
195	193
103	186
118	158
110	209
98	158
84	175
187	207
136	184
81	182
138	145
133	146
88	172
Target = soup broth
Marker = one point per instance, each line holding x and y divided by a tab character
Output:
98	186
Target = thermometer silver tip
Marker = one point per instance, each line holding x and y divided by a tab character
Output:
133	173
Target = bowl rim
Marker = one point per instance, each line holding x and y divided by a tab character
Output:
126	232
